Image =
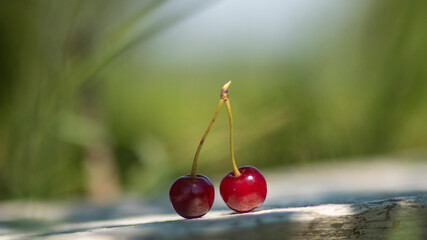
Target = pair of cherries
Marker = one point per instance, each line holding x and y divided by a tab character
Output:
242	189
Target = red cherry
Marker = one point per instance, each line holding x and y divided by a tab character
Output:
192	196
245	192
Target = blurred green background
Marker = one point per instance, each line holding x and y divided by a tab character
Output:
100	98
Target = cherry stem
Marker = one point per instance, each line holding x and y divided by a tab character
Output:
224	99
196	156
224	96
233	160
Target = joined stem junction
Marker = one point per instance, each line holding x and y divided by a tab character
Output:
223	99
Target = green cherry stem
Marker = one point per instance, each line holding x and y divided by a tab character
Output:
233	160
196	156
224	91
224	96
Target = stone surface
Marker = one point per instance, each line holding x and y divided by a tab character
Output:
395	218
376	199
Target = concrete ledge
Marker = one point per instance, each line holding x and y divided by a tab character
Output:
381	198
394	218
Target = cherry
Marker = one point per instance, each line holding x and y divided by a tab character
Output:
245	192
245	188
192	196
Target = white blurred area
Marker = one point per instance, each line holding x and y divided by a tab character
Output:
265	29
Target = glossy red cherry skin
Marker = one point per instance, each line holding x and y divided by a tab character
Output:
192	196
245	192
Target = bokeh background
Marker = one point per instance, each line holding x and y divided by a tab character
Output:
103	98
